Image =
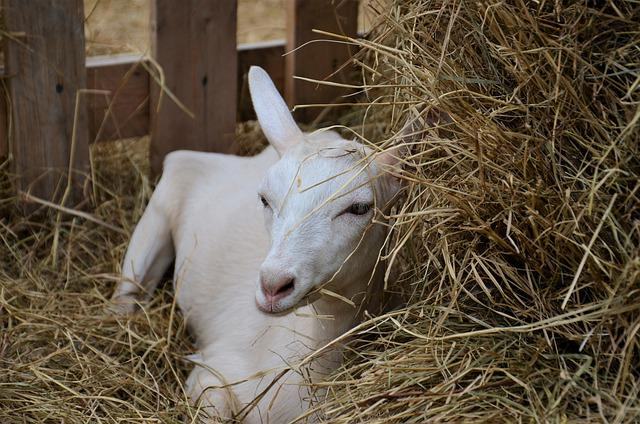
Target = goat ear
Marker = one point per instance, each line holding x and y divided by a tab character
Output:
273	114
389	161
390	164
410	132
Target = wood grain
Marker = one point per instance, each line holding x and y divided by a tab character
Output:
267	55
194	41
45	74
4	136
124	112
317	60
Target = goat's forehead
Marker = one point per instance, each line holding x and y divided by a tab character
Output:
320	170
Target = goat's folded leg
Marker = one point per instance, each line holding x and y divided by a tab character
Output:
148	256
208	391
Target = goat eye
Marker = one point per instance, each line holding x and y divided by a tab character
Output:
359	208
264	201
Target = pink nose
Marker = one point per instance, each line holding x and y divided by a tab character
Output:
276	287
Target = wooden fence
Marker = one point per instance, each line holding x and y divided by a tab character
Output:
58	101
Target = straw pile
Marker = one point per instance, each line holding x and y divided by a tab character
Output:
516	246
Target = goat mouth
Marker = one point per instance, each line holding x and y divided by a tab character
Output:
275	307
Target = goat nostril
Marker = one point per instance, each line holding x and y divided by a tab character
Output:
287	288
278	290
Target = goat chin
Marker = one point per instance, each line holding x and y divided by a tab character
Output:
291	214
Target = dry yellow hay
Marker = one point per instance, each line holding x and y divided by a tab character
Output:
518	243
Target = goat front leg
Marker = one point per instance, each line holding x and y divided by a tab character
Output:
209	392
148	256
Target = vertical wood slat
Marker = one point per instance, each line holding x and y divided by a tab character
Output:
317	60
124	112
267	55
194	41
45	61
4	137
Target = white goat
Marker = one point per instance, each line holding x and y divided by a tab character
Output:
318	195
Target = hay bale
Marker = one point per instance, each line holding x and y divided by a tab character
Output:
518	241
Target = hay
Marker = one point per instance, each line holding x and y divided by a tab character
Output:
517	246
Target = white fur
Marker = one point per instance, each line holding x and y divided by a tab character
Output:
207	214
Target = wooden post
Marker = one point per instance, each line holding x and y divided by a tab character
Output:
194	41
45	62
269	56
125	111
4	137
317	60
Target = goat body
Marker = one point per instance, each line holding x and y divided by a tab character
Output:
237	283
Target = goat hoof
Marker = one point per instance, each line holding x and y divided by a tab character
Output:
123	306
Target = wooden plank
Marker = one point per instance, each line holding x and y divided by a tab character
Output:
124	112
267	55
45	61
194	41
318	60
130	109
129	91
4	136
